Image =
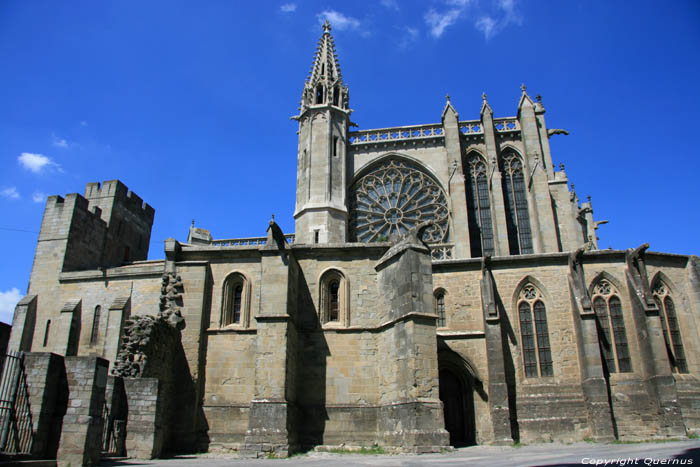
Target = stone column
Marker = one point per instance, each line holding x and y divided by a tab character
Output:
593	383
659	381
411	415
45	375
23	324
541	216
145	431
458	197
498	388
81	435
272	418
498	208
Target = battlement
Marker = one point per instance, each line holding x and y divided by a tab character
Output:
120	193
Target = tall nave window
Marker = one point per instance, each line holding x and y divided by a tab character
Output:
669	325
515	199
535	339
608	311
478	207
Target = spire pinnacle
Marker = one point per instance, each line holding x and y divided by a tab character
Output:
523	87
324	84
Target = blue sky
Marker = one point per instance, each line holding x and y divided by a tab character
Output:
188	103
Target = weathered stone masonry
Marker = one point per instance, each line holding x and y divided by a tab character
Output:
443	286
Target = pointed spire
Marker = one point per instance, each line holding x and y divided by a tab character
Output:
485	107
524	99
448	106
325	85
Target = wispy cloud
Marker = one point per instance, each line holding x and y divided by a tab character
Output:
288	8
8	300
491	17
486	25
342	22
409	35
38	197
438	22
59	142
10	193
83	123
37	162
390	4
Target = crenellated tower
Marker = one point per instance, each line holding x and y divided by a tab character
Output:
321	214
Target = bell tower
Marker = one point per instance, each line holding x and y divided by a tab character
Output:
321	214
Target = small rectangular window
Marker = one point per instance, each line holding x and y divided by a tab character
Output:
316	235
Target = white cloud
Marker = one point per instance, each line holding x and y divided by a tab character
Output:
391	4
438	22
83	123
487	26
59	142
341	22
38	197
288	8
8	300
410	35
492	16
10	193
37	162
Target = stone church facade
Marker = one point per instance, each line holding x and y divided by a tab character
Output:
443	286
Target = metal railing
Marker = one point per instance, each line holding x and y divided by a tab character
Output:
16	434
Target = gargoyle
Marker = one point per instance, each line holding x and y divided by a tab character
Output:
556	131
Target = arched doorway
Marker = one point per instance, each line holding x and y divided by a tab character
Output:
457	396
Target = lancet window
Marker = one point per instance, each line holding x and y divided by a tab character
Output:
439	300
394	196
333	300
515	199
95	325
611	327
235	304
537	354
478	207
670	327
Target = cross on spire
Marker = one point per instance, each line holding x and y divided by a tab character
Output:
522	87
326	27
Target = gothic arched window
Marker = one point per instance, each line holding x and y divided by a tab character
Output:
478	207
394	196
669	325
95	325
333	300
515	199
608	310
534	333
439	300
235	300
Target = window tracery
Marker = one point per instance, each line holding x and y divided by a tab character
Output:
478	208
671	330
612	336
515	198
392	198
534	333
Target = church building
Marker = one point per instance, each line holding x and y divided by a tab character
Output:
443	287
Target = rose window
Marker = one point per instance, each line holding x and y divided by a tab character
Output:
392	198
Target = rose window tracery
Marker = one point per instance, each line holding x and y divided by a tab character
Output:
392	198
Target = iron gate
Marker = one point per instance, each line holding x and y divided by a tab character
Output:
15	415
